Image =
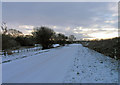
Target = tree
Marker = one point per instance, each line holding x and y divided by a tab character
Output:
61	39
4	28
8	42
72	38
43	36
14	32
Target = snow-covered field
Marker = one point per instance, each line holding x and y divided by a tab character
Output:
68	64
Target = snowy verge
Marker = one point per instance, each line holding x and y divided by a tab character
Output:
24	53
92	67
20	55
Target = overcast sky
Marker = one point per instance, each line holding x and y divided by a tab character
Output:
82	19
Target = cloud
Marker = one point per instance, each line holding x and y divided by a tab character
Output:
67	29
26	26
67	18
26	29
54	26
115	14
113	7
97	32
103	35
110	21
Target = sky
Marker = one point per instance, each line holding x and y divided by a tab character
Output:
85	20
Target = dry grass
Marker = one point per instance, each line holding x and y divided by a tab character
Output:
108	47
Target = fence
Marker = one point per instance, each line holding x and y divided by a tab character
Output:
5	53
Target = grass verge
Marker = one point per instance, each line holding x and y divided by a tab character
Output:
108	47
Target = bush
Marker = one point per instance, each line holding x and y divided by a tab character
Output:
8	42
24	41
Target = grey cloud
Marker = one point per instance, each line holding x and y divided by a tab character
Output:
62	15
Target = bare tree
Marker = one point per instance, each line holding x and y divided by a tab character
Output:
4	28
14	32
43	36
72	38
61	39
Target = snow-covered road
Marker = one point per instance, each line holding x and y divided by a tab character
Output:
43	68
56	66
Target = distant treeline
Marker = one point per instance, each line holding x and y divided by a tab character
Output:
108	47
13	39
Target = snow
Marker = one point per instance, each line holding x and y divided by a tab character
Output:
0	69
92	67
56	45
22	53
68	64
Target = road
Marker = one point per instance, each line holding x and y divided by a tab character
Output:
48	67
68	64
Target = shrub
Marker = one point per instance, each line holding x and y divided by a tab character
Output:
24	41
8	42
